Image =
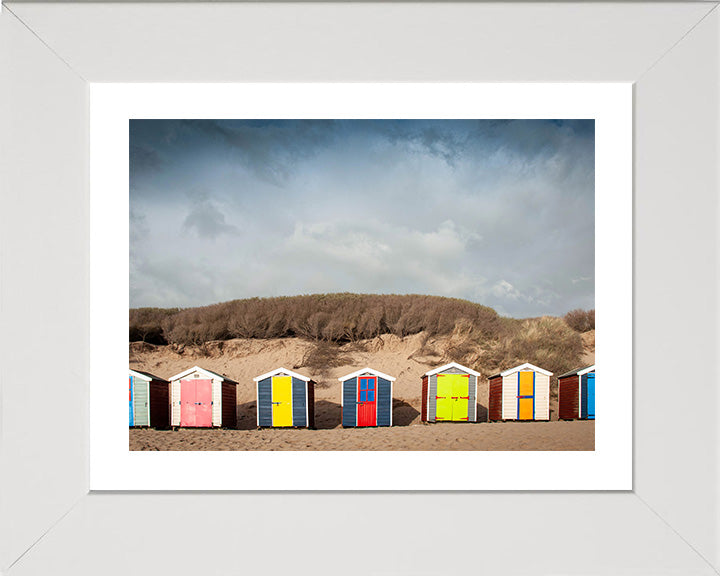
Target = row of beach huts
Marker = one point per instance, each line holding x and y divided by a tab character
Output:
200	398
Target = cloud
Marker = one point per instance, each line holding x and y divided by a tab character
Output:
504	290
270	149
498	212
373	245
370	256
207	221
143	158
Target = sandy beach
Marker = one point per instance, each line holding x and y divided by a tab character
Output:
579	435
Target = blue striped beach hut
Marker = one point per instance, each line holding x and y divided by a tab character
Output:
366	398
285	399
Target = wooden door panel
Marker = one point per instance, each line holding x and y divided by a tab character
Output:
526	396
591	396
525	409
526	385
187	403
367	401
131	403
282	401
444	406
460	396
203	403
141	403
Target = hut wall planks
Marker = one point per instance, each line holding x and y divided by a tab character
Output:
542	396
509	396
299	408
175	404
424	407
217	402
384	402
159	404
495	398
432	394
349	402
264	399
229	405
569	398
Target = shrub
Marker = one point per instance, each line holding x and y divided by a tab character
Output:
146	324
546	342
338	318
581	320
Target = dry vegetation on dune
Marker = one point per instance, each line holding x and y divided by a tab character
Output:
337	328
581	320
327	317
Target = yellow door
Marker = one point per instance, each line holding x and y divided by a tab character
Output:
526	396
444	406
452	397
282	401
461	396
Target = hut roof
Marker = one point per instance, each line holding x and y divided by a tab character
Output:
452	365
146	375
526	366
281	371
205	371
365	371
578	371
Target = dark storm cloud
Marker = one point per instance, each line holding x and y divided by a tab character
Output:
498	212
143	158
268	148
207	220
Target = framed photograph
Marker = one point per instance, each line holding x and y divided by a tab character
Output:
79	72
372	122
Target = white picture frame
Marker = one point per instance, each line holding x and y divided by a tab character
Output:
49	53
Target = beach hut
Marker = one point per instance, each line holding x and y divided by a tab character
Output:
149	400
201	398
366	398
285	399
576	394
449	393
520	393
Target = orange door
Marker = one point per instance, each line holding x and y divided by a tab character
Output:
526	396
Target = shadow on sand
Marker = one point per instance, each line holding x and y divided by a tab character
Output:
404	414
247	416
327	415
482	413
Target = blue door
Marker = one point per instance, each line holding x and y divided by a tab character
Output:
132	420
590	395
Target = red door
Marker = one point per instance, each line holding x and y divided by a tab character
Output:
196	403
367	401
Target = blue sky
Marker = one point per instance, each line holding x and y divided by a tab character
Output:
496	212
